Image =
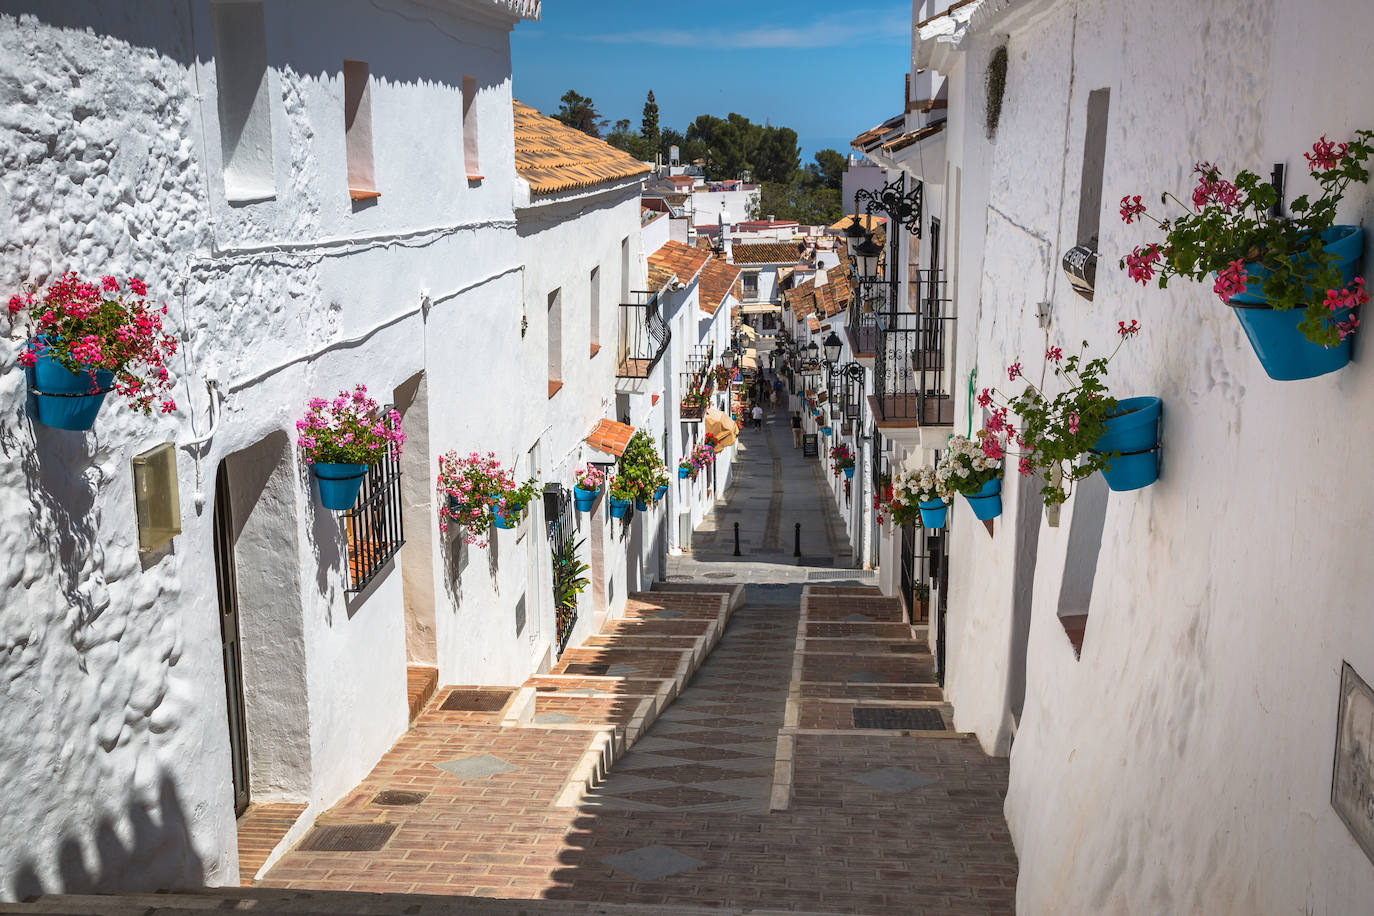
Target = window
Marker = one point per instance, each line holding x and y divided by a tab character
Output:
595	310
555	341
471	160
245	105
362	182
751	284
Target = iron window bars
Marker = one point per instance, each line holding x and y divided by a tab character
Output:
562	528
373	526
644	336
910	381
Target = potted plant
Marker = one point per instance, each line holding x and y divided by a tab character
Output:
703	455
590	480
925	491
622	493
975	473
693	403
686	468
1080	430
843	457
341	438
568	583
508	505
1291	281
91	338
660	483
469	486
921	592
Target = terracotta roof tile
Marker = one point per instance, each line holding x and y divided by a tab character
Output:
554	157
718	280
610	437
659	277
767	253
681	261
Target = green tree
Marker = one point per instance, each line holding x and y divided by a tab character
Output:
828	169
808	204
579	111
621	137
648	124
776	157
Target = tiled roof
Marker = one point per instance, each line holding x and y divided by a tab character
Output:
914	136
554	157
871	136
679	260
718	280
767	253
610	437
826	300
659	277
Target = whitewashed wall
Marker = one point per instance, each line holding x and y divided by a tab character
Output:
116	758
859	175
1183	764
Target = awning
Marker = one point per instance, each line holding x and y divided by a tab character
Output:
719	424
757	308
748	360
610	437
748	332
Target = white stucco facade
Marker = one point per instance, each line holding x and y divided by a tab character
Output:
1183	763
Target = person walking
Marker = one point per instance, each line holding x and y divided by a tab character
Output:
758	416
796	430
773	401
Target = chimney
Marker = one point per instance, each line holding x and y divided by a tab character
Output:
771	217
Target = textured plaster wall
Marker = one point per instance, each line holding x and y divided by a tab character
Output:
1183	764
115	753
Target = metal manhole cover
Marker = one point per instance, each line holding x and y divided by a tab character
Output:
592	670
398	797
475	701
720	575
896	717
348	838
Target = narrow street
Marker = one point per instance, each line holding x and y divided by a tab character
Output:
807	765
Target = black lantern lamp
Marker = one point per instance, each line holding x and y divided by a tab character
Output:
833	346
727	358
854	234
867	255
812	352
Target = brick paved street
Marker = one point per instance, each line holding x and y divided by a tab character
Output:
763	784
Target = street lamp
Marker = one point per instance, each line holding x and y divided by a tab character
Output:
854	233
727	358
867	254
812	351
833	346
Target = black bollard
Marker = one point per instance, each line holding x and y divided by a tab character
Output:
736	538
796	551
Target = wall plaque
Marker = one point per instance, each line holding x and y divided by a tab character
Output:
810	445
1352	778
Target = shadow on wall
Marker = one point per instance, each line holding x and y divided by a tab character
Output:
146	848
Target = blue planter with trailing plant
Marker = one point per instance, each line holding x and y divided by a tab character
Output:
660	491
683	473
987	502
508	518
339	483
1284	352
825	431
848	472
1134	432
619	507
584	500
933	513
641	505
64	399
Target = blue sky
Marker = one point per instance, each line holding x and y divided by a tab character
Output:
826	70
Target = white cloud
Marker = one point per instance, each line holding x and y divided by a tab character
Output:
858	27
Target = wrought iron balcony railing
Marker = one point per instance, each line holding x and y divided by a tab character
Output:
644	336
912	366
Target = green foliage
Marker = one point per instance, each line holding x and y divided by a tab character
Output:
580	112
827	170
997	87
640	471
648	123
807	204
568	581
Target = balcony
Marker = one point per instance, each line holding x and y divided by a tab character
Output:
643	337
912	367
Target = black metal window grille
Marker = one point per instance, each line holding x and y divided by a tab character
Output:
562	529
373	526
643	336
910	381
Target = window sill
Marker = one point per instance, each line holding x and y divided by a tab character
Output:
554	388
472	177
596	348
363	194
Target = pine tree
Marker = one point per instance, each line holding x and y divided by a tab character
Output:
648	126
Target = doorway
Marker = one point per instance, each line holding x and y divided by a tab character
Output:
226	582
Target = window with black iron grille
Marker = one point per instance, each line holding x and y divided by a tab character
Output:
562	529
373	525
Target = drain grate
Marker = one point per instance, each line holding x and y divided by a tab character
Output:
897	717
592	670
719	575
475	701
398	797
348	838
840	574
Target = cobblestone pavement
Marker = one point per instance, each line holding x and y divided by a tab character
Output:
807	765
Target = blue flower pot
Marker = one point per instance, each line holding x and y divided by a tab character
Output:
849	473
508	519
659	493
825	430
1134	432
584	500
683	473
619	507
63	398
1284	352
987	502
933	514
641	506
339	484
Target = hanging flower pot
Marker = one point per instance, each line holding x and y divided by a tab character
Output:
64	399
848	472
825	431
641	505
619	507
685	470
987	502
507	517
1133	431
588	487
660	491
584	500
339	483
933	513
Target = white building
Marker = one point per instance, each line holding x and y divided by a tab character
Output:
860	174
1170	685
